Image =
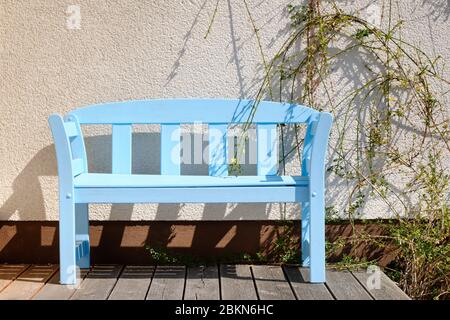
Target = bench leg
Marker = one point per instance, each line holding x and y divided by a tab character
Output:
305	234
82	233
67	249
317	236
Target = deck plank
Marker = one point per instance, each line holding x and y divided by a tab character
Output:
53	290
304	290
237	282
9	272
344	286
98	283
271	283
28	283
167	283
133	283
178	282
388	289
202	283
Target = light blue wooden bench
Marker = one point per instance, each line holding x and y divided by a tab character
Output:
78	187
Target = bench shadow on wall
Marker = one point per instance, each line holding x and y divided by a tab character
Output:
108	237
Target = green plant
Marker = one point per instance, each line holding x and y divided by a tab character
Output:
161	255
165	256
281	247
391	140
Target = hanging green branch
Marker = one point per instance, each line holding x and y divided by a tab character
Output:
398	122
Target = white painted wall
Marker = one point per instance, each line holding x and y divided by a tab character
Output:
136	50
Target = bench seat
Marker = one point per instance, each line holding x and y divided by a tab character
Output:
107	180
135	188
78	187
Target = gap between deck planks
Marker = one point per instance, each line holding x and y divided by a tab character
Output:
98	283
28	283
237	282
133	283
8	273
52	290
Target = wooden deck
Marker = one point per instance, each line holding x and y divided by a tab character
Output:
223	282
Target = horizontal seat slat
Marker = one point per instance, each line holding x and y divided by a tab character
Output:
103	180
71	129
193	195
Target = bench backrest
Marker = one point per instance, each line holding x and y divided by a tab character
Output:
218	114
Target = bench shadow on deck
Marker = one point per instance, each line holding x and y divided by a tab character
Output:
218	282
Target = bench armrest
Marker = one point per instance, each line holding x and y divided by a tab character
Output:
69	146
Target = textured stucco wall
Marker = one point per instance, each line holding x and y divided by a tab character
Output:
136	50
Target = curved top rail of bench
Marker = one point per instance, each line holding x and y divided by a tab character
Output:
166	111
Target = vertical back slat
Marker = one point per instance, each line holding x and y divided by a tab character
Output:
307	146
77	166
218	153
77	142
121	148
267	153
170	149
71	129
